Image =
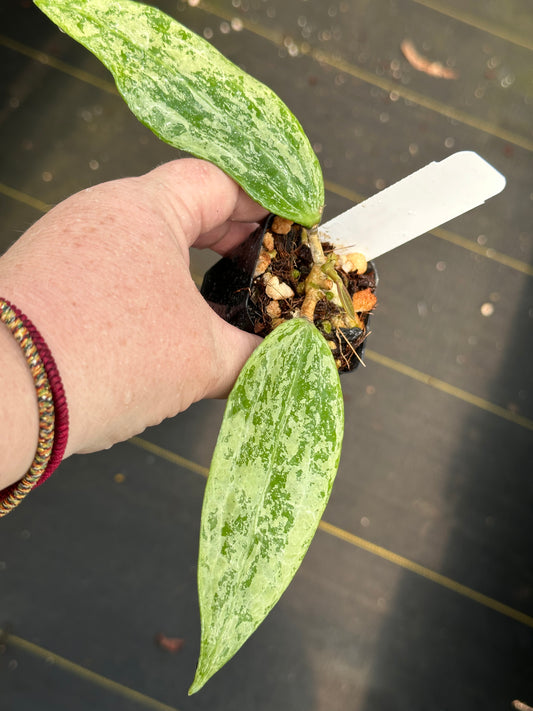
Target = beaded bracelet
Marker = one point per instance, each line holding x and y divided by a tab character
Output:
53	411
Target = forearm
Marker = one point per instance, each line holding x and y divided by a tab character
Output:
86	290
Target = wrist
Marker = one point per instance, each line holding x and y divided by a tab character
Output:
18	411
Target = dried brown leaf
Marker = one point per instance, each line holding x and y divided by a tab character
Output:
423	64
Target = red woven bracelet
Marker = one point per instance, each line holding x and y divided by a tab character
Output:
58	395
10	313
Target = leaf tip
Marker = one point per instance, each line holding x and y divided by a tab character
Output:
199	681
194	688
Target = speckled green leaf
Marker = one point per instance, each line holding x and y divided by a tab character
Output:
195	99
272	471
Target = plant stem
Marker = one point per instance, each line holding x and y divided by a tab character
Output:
315	246
315	286
345	298
324	276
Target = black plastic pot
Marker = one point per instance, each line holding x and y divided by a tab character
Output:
227	287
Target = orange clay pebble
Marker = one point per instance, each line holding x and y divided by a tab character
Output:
268	241
281	225
273	309
354	262
262	263
364	300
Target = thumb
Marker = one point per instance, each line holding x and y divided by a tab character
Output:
200	202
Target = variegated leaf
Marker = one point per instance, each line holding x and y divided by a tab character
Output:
272	471
195	99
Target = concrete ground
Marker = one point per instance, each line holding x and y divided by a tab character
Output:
417	591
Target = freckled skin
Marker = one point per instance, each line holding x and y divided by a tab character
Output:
272	471
195	99
120	252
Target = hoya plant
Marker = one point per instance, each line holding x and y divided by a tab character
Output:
279	444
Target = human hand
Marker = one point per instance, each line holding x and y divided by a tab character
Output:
105	278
